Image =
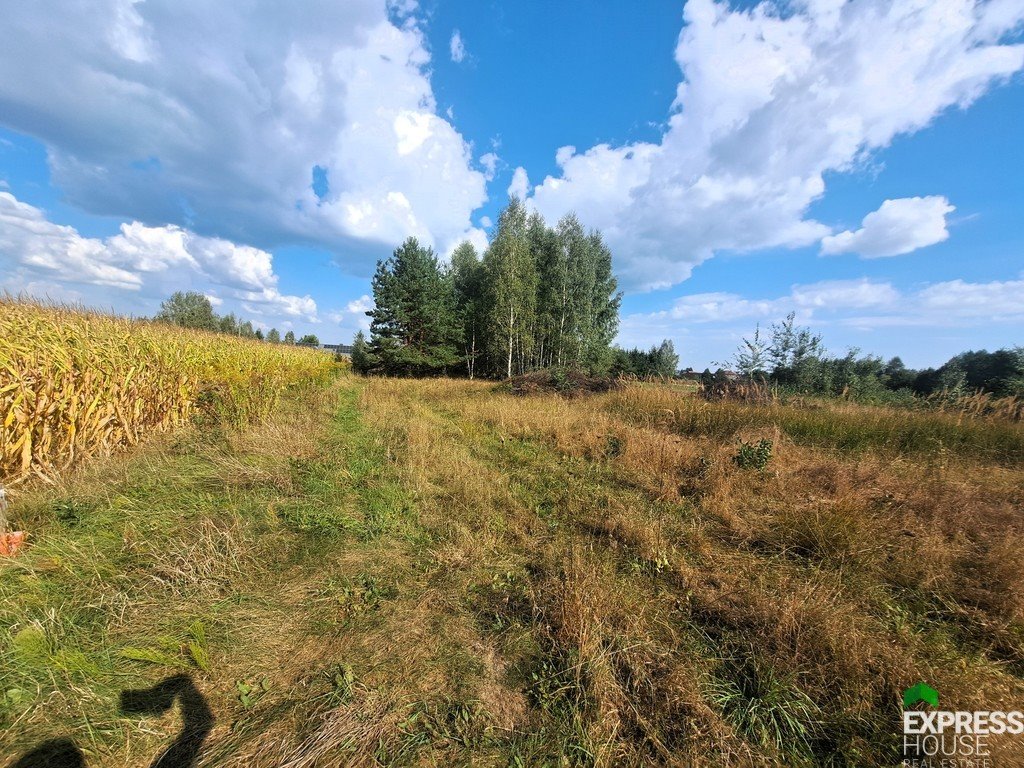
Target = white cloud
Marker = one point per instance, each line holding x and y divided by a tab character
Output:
772	98
862	303
897	227
352	318
520	185
214	118
457	47
490	163
151	262
956	298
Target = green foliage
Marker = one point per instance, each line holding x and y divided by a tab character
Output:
194	310
539	298
469	283
289	337
661	360
751	359
274	336
70	512
363	361
249	692
415	329
750	456
189	310
343	682
310	338
796	360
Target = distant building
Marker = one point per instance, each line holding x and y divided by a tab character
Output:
337	349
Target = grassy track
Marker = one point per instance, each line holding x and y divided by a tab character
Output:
432	573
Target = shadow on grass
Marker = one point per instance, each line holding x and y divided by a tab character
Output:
196	726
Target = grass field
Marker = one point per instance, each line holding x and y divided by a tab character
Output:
394	572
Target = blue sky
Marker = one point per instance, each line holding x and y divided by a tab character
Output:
858	163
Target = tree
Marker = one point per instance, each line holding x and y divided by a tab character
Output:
752	356
228	323
245	330
603	312
259	335
468	283
289	337
311	339
795	353
363	360
188	310
511	283
661	360
414	328
666	361
273	336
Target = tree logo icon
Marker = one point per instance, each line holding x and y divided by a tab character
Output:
920	692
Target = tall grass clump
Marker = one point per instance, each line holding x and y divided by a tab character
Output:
75	383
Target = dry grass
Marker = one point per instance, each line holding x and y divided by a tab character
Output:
541	581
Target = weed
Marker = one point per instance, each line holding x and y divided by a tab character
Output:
750	456
249	692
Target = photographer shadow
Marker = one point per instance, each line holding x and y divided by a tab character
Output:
197	722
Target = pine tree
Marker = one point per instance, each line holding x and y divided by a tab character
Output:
415	328
362	360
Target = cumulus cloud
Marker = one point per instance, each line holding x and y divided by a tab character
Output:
214	118
772	98
490	163
897	227
520	185
457	47
149	261
353	317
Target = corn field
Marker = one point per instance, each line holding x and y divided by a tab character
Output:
75	383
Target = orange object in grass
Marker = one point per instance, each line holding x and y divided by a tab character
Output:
11	543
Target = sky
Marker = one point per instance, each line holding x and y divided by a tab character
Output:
858	163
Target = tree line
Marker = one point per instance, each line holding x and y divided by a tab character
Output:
795	358
189	309
538	297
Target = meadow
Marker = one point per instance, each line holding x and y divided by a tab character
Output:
438	572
